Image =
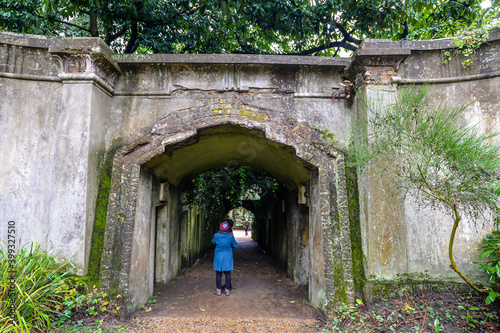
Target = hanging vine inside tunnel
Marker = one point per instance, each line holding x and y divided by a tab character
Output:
219	190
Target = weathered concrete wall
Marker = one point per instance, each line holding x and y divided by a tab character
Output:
298	236
168	247
152	88
53	123
272	226
200	235
452	83
403	240
141	280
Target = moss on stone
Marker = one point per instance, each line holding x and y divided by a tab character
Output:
101	209
338	277
327	135
402	284
355	231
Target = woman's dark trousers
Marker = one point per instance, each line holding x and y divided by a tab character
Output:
218	280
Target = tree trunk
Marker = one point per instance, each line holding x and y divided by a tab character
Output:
450	252
133	38
94	30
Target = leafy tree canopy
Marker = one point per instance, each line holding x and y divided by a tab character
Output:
243	26
219	190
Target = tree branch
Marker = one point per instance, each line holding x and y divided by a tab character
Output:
342	44
111	38
460	3
62	22
93	28
405	30
133	38
450	253
347	36
83	11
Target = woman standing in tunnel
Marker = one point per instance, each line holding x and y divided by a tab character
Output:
223	257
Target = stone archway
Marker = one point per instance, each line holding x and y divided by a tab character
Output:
289	150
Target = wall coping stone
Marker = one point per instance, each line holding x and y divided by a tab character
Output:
440	44
27	40
380	47
231	59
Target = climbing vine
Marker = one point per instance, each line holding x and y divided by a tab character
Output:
468	41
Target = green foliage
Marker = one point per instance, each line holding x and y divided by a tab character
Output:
241	26
468	40
425	147
82	304
41	281
153	299
415	312
437	22
490	251
469	315
219	190
45	292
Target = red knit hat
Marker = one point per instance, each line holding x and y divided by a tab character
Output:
224	226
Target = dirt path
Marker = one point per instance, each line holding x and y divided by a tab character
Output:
262	299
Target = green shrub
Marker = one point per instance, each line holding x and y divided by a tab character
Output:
38	283
83	303
490	250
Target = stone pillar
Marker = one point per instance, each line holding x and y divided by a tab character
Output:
382	220
88	75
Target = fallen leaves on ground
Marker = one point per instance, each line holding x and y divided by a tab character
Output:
209	325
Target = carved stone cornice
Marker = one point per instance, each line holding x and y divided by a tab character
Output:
378	60
87	59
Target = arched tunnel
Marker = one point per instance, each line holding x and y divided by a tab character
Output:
160	232
280	222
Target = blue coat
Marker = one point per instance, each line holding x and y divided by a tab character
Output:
223	256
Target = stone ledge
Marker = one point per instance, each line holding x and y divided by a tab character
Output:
86	59
380	48
27	40
243	59
441	44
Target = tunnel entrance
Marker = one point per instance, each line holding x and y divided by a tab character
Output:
241	217
249	197
198	205
151	232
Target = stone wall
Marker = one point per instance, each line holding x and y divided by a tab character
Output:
407	242
69	105
54	111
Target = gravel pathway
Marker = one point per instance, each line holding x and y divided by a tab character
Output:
263	299
207	325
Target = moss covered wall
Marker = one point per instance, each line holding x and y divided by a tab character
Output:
358	258
99	226
198	236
